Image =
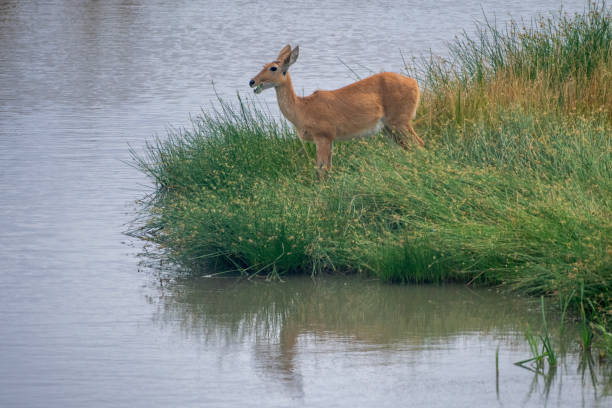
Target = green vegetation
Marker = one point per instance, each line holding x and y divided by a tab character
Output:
513	189
547	350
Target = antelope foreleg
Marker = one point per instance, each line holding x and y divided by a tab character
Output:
324	154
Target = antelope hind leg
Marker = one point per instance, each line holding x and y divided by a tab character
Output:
397	136
400	127
416	137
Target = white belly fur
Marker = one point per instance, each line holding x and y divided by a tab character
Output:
366	133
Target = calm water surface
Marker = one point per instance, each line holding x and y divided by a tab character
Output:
82	325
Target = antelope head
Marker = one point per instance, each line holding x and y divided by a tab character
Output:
274	73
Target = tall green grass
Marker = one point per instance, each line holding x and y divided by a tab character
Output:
558	64
513	189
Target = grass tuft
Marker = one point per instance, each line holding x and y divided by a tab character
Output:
514	188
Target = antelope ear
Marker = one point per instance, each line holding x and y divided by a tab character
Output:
291	58
284	52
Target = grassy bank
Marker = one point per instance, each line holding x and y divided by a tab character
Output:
514	187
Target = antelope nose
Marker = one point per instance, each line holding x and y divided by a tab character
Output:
251	83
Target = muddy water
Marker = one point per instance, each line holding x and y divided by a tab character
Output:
82	325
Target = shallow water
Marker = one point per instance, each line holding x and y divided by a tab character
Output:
82	325
354	342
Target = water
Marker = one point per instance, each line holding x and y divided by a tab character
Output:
81	325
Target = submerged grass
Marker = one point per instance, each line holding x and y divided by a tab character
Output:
514	188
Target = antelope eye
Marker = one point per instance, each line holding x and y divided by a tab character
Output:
273	68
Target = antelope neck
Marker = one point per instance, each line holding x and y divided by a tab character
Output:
288	100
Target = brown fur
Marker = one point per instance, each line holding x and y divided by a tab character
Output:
348	112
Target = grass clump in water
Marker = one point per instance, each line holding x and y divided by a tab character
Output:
513	189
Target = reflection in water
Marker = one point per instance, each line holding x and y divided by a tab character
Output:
403	331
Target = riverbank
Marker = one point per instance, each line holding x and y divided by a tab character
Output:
514	187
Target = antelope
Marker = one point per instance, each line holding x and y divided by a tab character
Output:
386	101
